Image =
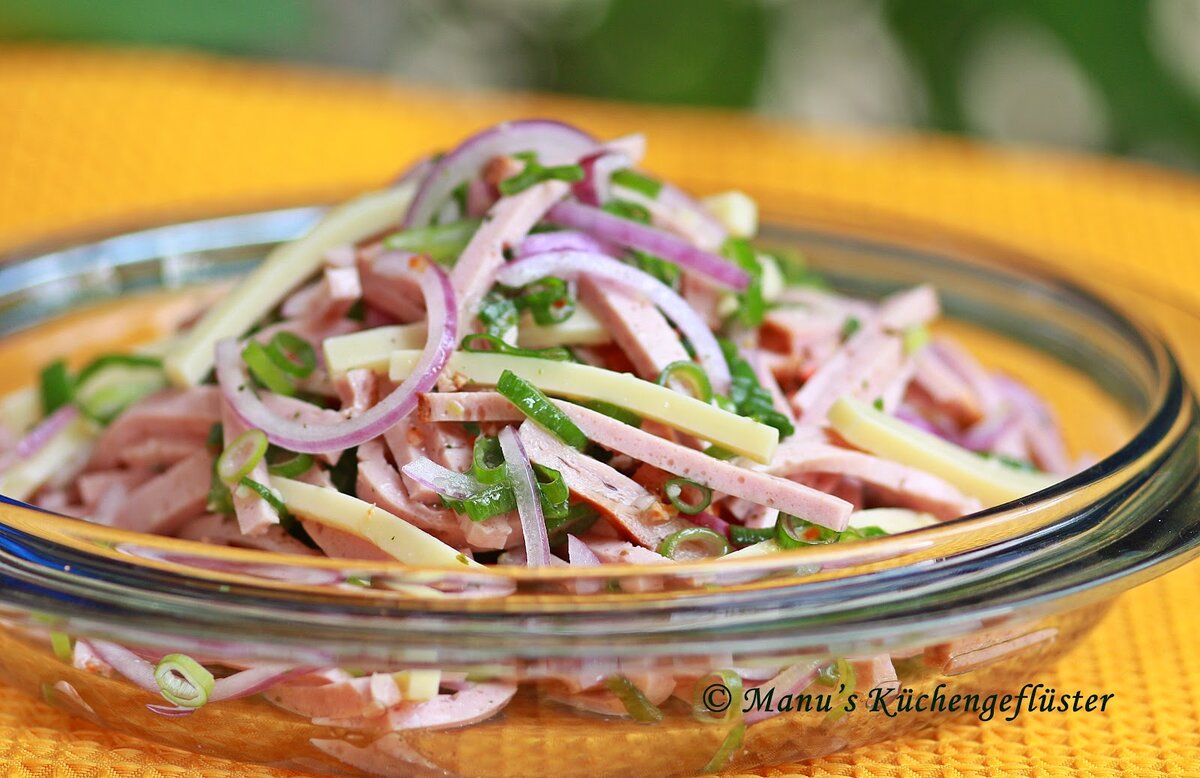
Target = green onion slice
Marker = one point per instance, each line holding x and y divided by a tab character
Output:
498	314
262	366
671	543
109	402
555	496
730	746
841	673
691	374
675	488
732	683
487	462
481	506
793	532
241	456
631	179
614	411
484	342
578	519
57	388
293	467
116	360
440	242
60	643
537	406
183	681
627	210
748	536
720	452
292	354
535	173
752	307
264	491
548	299
635	702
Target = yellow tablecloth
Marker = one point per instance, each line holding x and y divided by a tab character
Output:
102	138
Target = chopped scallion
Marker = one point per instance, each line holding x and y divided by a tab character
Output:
183	681
293	467
262	366
631	179
635	702
241	456
537	406
292	354
691	374
535	173
57	388
675	488
671	543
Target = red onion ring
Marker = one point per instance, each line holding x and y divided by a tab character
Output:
442	322
653	241
572	264
563	240
444	481
172	711
598	168
127	663
790	681
579	554
253	681
529	506
556	144
44	431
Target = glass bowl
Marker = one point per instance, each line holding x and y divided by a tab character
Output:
972	607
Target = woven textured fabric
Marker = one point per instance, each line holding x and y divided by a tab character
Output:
97	139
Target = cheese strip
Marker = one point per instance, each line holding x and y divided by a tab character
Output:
582	329
390	533
23	478
987	479
370	349
284	269
891	520
585	382
20	410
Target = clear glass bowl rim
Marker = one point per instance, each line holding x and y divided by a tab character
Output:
1172	408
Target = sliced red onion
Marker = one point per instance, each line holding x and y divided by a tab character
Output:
172	711
44	431
441	310
563	240
653	241
252	681
790	681
598	168
555	143
529	505
444	481
572	264
579	554
127	663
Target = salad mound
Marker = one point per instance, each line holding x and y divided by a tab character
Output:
526	351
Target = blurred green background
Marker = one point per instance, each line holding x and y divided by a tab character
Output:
1121	76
